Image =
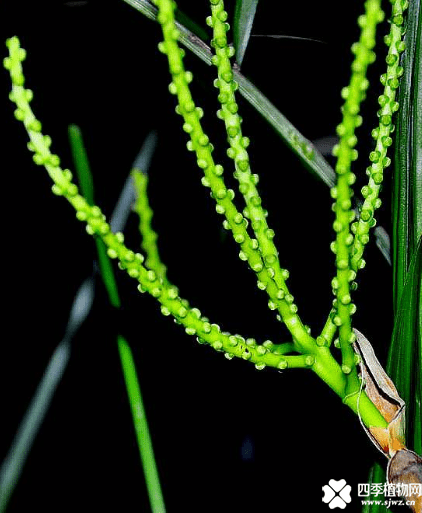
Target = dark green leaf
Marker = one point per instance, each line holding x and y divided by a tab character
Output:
126	357
84	175
243	20
191	25
404	364
80	159
417	131
405	357
376	476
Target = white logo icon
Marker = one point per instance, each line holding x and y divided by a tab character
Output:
337	494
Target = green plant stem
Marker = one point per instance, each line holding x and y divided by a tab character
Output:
331	373
346	154
140	423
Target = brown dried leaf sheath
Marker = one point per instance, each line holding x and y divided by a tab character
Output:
405	466
382	392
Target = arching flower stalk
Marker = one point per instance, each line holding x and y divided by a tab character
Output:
249	227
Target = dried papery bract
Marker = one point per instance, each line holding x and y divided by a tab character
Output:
383	393
404	467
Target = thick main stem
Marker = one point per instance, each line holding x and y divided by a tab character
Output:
330	372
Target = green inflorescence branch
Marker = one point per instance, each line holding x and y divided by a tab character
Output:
352	238
381	134
172	304
149	236
235	221
312	354
346	153
226	85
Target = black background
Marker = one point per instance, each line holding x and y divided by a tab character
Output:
97	64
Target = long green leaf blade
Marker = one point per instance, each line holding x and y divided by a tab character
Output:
417	130
190	24
126	357
244	16
405	357
141	427
376	476
84	175
14	462
404	363
81	162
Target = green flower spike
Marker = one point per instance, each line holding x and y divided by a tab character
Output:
238	148
381	134
353	95
149	237
172	304
359	236
320	359
199	143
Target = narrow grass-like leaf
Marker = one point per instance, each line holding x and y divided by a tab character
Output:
141	427
404	363
244	16
190	24
125	353
81	162
13	464
128	195
417	130
143	159
405	356
292	38
376	476
382	240
84	175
